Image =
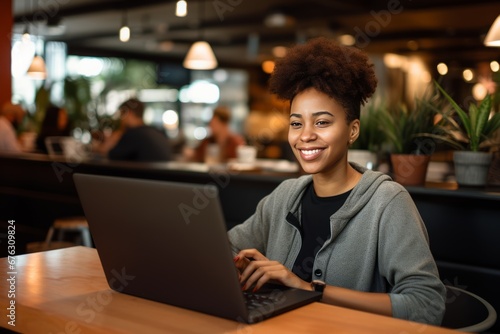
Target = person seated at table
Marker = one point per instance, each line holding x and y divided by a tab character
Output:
55	124
11	116
138	141
353	229
225	140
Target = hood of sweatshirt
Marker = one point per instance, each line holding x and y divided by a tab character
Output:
358	198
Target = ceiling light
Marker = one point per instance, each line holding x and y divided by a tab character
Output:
442	68
200	57
495	66
124	30
181	8
278	20
124	34
268	66
347	39
479	91
468	74
37	69
493	36
279	51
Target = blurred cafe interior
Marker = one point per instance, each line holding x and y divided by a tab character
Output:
183	59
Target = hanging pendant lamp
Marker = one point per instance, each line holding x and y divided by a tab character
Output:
37	69
200	57
493	36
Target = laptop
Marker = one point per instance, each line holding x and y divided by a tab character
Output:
67	147
167	242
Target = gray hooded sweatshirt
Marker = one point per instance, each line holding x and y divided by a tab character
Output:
378	243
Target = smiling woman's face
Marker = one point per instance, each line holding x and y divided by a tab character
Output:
319	134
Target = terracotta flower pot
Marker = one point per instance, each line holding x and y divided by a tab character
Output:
410	169
471	168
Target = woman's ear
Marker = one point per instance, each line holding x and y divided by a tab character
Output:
354	131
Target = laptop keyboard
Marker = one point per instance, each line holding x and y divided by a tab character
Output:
255	300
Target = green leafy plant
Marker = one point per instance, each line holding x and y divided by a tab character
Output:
473	131
405	128
370	137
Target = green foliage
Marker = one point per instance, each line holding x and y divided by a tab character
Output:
370	137
473	130
405	128
77	97
42	101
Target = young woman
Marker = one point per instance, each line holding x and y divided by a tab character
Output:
350	232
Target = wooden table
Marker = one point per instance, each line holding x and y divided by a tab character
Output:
65	291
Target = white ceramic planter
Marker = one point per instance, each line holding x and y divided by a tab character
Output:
471	168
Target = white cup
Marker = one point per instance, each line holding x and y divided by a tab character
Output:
246	154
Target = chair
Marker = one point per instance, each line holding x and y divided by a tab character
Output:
63	225
467	312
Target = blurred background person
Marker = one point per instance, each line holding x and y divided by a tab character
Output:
55	124
136	141
11	117
104	140
222	142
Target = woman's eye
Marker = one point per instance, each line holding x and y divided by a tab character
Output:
295	124
322	123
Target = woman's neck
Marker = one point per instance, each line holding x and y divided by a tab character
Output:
337	182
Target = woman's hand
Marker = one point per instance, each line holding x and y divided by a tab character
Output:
256	270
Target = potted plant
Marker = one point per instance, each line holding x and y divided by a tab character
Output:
410	149
366	148
471	134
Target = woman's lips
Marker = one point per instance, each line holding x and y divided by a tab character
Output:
310	154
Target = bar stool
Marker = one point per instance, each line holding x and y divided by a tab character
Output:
71	224
63	225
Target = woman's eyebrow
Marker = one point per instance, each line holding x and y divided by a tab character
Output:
319	113
315	114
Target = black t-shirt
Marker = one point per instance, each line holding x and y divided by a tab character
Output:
315	223
143	143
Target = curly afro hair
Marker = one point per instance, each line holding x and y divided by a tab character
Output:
341	72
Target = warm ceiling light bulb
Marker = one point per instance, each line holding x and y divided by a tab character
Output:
347	39
181	8
26	38
495	66
442	68
279	51
124	34
468	75
479	91
268	66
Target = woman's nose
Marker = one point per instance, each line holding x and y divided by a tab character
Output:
308	133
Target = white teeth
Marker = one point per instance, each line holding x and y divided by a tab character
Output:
310	152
